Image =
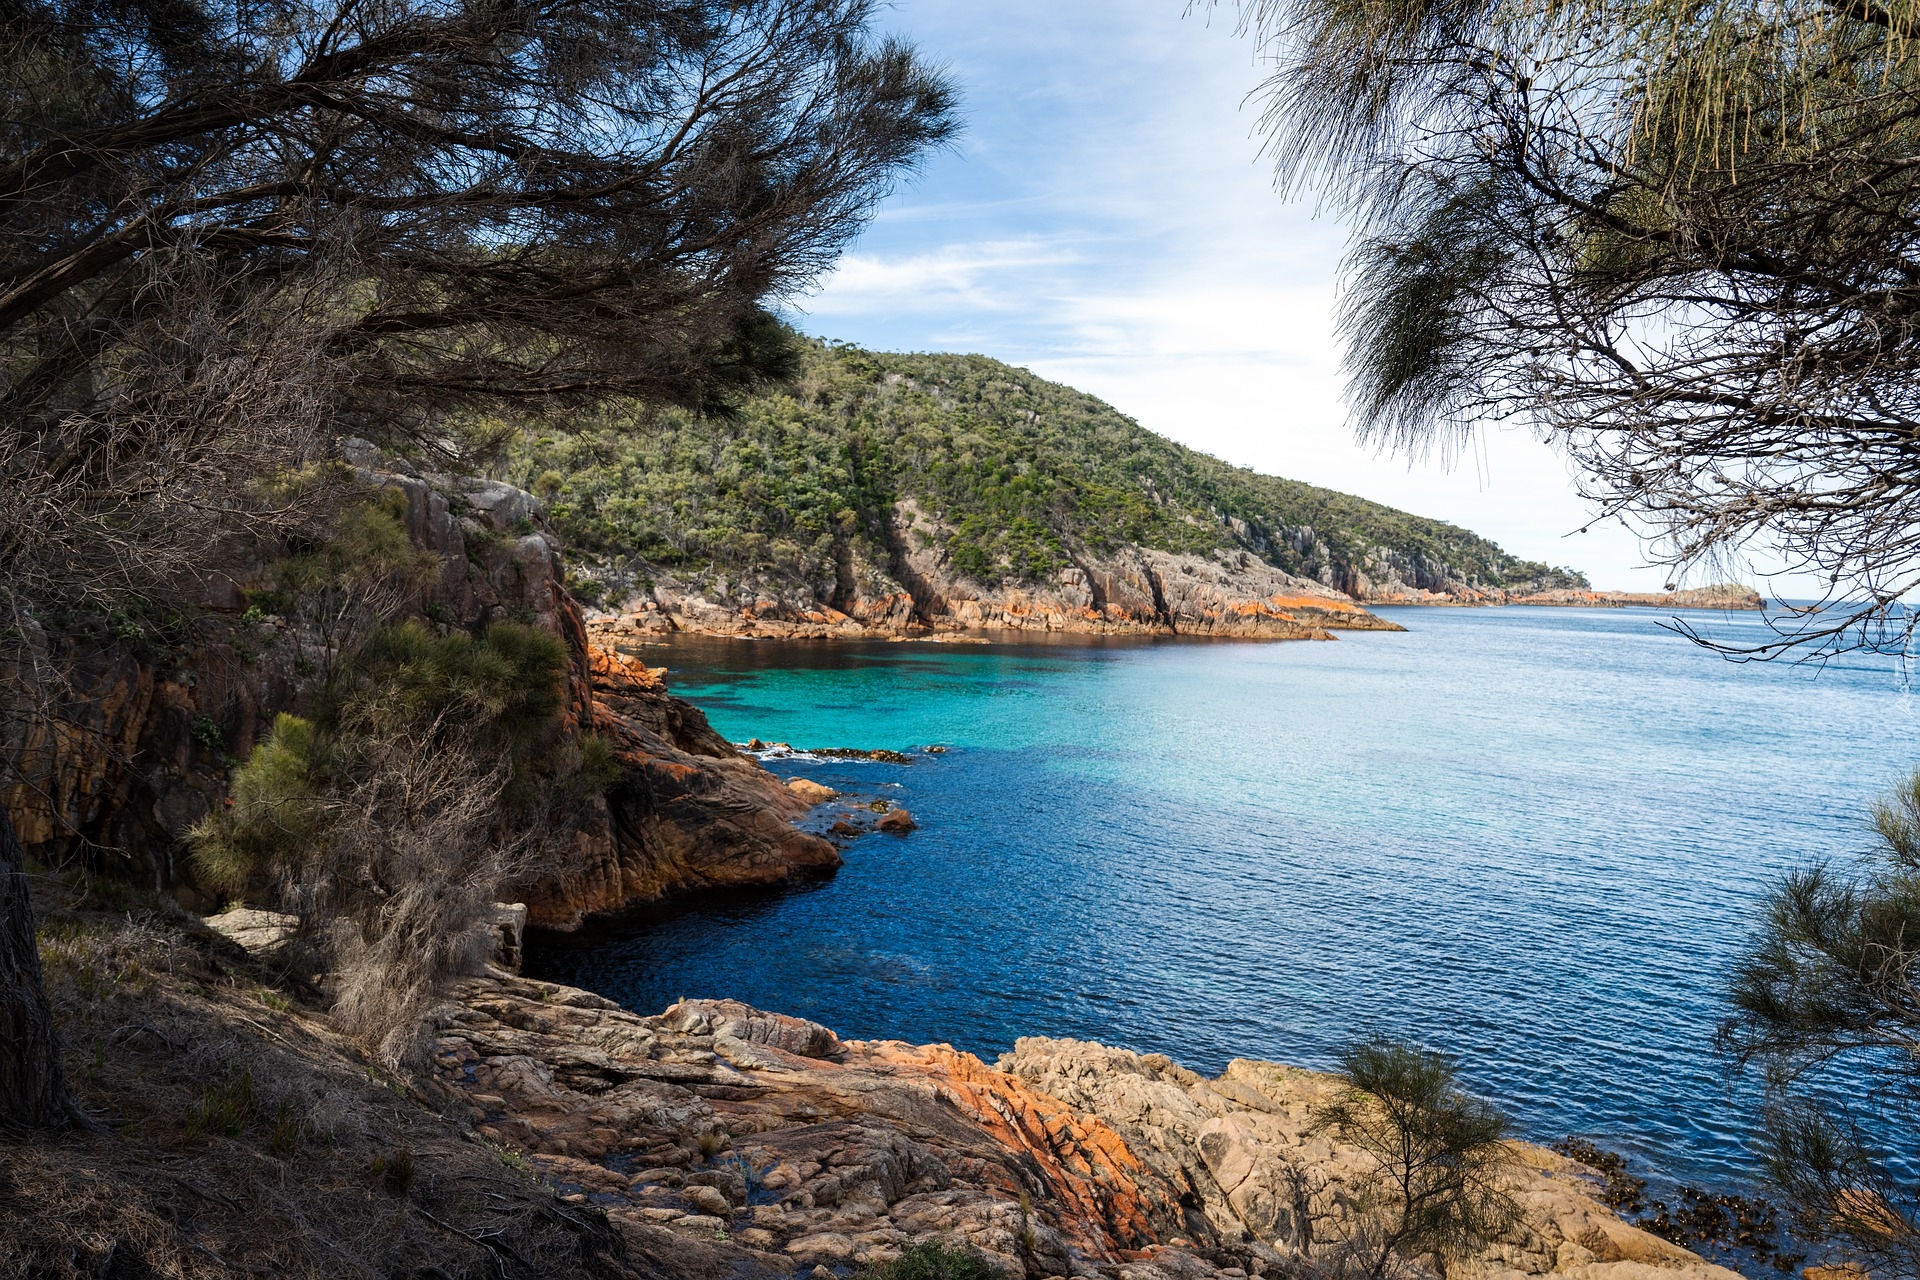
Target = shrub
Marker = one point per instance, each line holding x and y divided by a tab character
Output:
935	1259
391	818
1439	1164
274	816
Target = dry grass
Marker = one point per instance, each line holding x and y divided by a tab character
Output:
241	1135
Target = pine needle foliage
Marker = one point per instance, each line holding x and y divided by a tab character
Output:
274	816
1440	1162
1678	238
1827	1010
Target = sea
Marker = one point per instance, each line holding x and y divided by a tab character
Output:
1534	839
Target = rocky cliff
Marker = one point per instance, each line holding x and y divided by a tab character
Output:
153	717
1129	591
688	812
552	1134
820	498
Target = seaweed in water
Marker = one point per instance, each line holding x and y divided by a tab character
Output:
1705	1221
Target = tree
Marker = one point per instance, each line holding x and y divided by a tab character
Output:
1826	1006
1438	1159
1678	238
229	235
32	1085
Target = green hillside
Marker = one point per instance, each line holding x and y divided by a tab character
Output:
1027	473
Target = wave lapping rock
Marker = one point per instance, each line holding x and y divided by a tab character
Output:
734	1141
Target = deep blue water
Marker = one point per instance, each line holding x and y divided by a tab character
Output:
1534	838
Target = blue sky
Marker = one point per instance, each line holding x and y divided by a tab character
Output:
1108	221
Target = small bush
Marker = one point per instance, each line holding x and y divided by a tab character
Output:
274	815
935	1260
226	1110
1440	1163
430	773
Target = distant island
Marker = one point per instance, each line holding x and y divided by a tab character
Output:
887	494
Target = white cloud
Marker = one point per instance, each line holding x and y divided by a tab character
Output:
965	275
1108	222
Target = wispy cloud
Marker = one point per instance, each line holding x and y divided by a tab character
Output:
979	276
1108	221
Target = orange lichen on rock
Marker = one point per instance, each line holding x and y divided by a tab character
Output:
688	812
1111	1198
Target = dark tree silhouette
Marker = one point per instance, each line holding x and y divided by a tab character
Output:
33	1092
1680	240
231	233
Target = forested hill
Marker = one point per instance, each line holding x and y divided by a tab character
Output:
1019	473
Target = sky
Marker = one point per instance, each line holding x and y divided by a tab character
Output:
1108	221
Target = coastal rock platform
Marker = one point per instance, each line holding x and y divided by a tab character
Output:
744	1143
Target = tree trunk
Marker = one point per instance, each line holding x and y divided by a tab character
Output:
32	1092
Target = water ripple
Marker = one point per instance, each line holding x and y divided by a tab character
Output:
1534	838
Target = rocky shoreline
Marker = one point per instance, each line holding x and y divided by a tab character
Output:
748	1143
1137	592
712	1140
717	1139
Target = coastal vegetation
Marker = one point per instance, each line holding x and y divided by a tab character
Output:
1025	473
1679	240
934	1259
1440	1160
1824	1010
553	232
230	239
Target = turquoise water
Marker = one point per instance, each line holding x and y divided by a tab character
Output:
1531	837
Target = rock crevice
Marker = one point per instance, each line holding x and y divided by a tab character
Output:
715	1121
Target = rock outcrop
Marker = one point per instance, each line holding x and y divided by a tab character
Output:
773	1146
1727	596
689	811
1129	591
150	725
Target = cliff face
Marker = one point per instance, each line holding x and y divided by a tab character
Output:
798	499
689	811
150	723
1131	591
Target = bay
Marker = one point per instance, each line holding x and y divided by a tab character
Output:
1532	838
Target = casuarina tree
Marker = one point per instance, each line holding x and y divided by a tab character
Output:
231	234
1827	1013
1678	238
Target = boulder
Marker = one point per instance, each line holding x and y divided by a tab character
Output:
810	791
898	823
257	931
